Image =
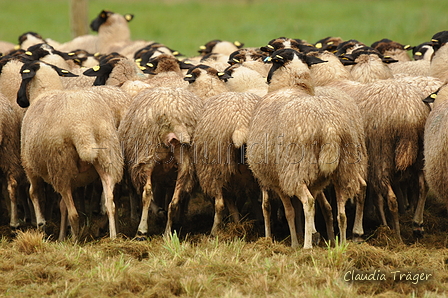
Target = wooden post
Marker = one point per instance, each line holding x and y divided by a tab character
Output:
79	17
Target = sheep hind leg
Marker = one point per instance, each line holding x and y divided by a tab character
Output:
328	215
64	224
108	195
418	230
173	207
266	208
36	185
233	210
12	192
341	199
73	216
392	203
308	202
219	209
358	229
147	198
290	217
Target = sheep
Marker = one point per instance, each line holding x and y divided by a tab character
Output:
220	46
6	47
68	139
370	65
393	49
335	80
435	141
219	145
389	160
205	81
10	164
290	98
165	71
250	58
156	134
423	51
328	44
244	79
438	66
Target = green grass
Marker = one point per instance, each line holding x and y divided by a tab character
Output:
185	25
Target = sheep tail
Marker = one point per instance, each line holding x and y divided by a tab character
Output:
239	137
87	147
405	153
329	152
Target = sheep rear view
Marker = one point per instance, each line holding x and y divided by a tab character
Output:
156	134
68	138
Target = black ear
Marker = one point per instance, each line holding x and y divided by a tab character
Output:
185	64
100	72
347	60
311	60
189	78
63	72
388	59
129	17
27	72
432	97
223	76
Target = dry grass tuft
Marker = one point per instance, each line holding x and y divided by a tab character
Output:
29	242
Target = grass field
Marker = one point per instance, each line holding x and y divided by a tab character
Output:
185	25
239	262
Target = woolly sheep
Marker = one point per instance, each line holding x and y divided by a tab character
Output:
156	134
393	49
219	144
438	67
435	148
10	164
62	139
244	79
407	125
205	81
291	97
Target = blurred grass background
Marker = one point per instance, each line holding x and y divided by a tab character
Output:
185	25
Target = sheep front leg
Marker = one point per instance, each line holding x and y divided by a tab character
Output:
35	185
147	198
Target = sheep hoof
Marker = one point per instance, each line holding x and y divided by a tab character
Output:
316	239
418	230
141	236
357	238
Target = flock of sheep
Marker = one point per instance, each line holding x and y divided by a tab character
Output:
330	122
